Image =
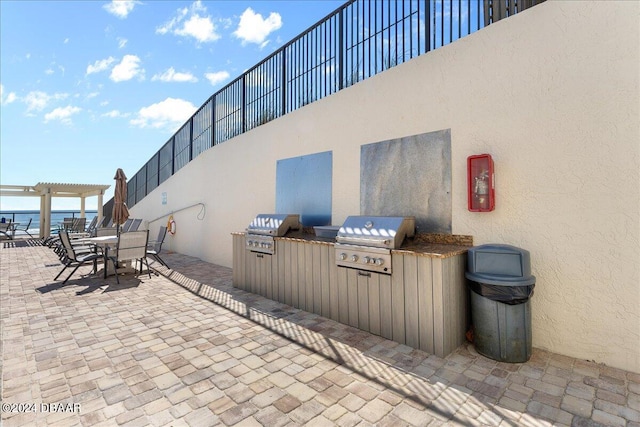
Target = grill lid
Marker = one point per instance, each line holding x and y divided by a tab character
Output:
275	225
377	231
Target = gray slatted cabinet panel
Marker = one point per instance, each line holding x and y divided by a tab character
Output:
363	300
279	266
265	277
441	320
352	291
317	279
386	318
373	286
412	305
334	288
425	296
239	262
343	295
397	298
250	270
325	280
302	277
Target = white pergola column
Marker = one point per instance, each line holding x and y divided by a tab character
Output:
82	202
42	216
100	207
45	214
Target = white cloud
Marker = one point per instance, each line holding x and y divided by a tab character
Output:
193	22
171	76
217	77
62	113
37	100
100	65
255	29
11	96
127	69
122	42
66	40
168	114
114	114
120	8
48	71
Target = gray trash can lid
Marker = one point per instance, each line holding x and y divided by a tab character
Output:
501	279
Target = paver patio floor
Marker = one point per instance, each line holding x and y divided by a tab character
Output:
186	348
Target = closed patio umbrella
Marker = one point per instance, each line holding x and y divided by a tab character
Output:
120	211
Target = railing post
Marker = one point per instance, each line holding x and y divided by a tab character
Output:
191	138
283	109
243	103
341	65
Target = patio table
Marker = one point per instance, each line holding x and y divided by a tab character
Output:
106	243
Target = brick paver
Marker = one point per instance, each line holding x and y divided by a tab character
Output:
186	348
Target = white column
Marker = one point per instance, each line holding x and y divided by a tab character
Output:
47	213
100	206
42	221
82	202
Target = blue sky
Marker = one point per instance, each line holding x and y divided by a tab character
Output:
91	86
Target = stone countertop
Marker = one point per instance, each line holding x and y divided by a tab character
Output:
424	244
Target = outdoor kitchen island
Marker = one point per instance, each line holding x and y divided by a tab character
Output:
423	303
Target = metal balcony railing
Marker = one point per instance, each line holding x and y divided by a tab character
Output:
358	40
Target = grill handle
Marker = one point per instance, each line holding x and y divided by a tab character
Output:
358	240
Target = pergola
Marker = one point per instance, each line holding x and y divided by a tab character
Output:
47	190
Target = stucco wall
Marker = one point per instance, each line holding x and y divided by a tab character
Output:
552	93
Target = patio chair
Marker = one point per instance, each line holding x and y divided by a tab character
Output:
131	246
25	229
7	229
78	225
155	246
126	225
67	224
74	257
106	222
91	228
135	224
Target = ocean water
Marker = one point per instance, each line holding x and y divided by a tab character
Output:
56	218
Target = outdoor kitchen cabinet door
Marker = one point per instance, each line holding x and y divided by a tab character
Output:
262	279
368	306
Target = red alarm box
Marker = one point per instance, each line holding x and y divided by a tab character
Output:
481	193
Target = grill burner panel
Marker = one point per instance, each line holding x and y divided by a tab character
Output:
259	236
363	258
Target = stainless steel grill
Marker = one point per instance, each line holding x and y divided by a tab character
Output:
259	236
365	242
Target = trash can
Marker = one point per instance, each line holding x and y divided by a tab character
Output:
501	286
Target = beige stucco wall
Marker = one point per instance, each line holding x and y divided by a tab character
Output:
552	93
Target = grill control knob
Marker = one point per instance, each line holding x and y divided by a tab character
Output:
343	256
256	244
379	261
367	260
354	258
